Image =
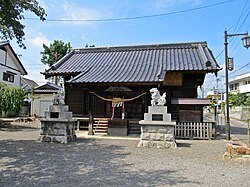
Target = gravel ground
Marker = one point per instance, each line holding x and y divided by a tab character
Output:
109	162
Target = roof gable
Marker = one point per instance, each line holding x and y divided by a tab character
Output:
47	88
7	47
28	84
142	63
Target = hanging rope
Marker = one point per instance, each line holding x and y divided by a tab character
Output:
117	101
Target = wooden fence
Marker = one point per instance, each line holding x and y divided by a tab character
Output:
195	130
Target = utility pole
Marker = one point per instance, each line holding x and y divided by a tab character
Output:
215	107
246	43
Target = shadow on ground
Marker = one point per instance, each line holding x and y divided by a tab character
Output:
6	126
86	162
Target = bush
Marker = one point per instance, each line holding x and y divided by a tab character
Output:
11	98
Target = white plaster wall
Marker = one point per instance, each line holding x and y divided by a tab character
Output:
14	68
244	88
2	56
40	104
246	75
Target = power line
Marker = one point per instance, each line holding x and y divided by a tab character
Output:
239	29
242	12
135	17
240	68
212	80
235	27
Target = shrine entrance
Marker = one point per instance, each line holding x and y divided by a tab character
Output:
118	124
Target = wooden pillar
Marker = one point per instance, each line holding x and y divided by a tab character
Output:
144	105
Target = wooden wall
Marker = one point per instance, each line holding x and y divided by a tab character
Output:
80	101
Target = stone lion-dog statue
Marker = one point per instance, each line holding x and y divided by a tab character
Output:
157	99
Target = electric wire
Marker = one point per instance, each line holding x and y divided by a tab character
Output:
242	12
235	27
134	17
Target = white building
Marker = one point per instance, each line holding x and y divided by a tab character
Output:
43	98
11	67
240	84
220	96
28	84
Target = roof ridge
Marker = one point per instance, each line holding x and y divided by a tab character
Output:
134	47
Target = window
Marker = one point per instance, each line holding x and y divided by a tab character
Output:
8	76
236	86
231	86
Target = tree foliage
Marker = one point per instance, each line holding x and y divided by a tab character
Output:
89	46
11	15
11	98
239	99
54	52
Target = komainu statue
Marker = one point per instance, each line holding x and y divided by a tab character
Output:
59	98
157	99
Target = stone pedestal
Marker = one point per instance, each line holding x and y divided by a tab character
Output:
58	125
157	129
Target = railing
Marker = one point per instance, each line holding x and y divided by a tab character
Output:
195	130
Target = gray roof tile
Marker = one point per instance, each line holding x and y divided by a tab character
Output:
134	63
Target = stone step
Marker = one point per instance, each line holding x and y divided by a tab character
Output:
100	121
100	124
100	127
134	132
134	127
99	131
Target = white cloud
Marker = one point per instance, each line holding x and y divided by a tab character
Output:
73	11
83	37
164	4
39	40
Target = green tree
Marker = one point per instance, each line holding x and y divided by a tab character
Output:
54	52
11	14
11	98
247	102
89	46
239	99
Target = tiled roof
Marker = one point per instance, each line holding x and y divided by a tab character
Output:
144	63
47	88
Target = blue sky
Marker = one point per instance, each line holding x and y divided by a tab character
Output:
198	24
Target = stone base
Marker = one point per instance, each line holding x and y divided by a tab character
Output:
158	136
157	144
157	129
61	131
57	139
